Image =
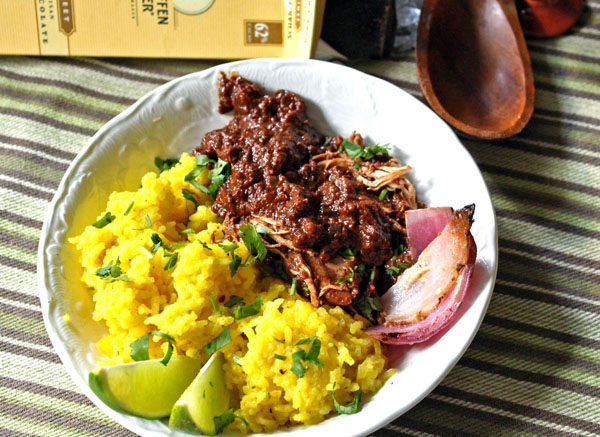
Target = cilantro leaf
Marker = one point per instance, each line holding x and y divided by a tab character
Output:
228	247
223	420
187	231
353	150
157	242
243	311
104	220
165	164
253	241
293	287
112	272
366	305
297	367
221	340
279	357
235	264
190	196
215	305
383	194
396	269
172	260
139	348
278	340
348	277
128	210
203	243
123	278
351	408
148	223
233	301
347	253
312	356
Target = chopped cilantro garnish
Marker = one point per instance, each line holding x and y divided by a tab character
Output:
355	151
278	340
293	287
104	220
356	164
312	356
218	175
215	305
223	420
351	408
187	231
139	348
348	277
347	253
148	223
395	270
218	342
235	264
112	272
243	311
228	247
203	243
233	301
165	164
383	194
128	210
157	242
297	367
172	260
279	357
190	196
366	305
253	242
237	359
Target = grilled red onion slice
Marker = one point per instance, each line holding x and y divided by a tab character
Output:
423	225
426	296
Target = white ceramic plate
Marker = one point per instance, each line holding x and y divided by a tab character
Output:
173	118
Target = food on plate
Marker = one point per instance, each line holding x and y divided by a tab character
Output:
132	388
206	398
163	264
425	298
267	255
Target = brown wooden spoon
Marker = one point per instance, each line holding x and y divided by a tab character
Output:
473	66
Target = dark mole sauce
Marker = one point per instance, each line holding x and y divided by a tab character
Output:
271	146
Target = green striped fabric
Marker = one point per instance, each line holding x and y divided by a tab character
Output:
534	366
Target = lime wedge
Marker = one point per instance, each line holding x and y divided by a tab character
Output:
145	388
205	398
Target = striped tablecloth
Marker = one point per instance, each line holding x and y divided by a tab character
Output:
534	367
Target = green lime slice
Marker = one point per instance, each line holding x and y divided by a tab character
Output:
146	389
205	398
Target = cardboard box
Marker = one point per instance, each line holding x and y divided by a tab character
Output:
161	28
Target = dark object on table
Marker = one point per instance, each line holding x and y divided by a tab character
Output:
547	18
358	28
473	66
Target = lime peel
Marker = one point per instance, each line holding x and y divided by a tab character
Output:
145	389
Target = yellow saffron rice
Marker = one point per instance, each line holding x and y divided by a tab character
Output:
177	302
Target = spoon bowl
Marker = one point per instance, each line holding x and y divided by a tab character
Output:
473	66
